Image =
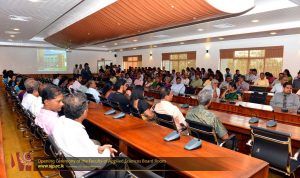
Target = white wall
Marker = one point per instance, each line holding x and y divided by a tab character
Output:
24	60
291	57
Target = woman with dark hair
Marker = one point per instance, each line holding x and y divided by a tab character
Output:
287	74
107	89
219	76
139	104
231	93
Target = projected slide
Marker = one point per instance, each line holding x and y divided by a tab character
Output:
51	60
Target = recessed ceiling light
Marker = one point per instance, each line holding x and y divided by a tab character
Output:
12	36
221	38
154	46
38	0
255	21
133	48
11	32
273	33
16	29
115	43
224	25
121	50
181	42
135	40
19	18
103	46
161	36
200	29
9	40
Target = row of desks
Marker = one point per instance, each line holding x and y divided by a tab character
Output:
241	108
147	138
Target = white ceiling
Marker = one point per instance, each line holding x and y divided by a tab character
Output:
48	16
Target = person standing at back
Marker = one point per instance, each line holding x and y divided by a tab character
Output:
86	73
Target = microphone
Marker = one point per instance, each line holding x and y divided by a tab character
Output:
175	135
273	122
254	119
194	143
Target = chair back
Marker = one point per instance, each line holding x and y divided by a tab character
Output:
258	97
90	97
202	131
190	90
165	120
258	89
115	105
137	170
104	101
273	147
135	112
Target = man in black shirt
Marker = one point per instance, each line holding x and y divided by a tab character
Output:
86	73
119	96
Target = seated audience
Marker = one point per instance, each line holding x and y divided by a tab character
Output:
262	81
83	87
213	88
156	84
225	84
166	107
287	74
139	80
277	88
128	80
242	85
227	72
236	76
208	81
52	98
231	93
138	103
92	89
12	82
167	83
178	88
285	99
202	115
296	82
197	82
56	79
107	89
185	80
280	75
270	77
71	137
149	82
32	100
76	85
119	97
253	76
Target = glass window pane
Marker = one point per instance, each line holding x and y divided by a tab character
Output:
182	56
175	65
257	53
257	64
166	64
239	54
240	64
174	57
191	63
273	65
226	63
182	65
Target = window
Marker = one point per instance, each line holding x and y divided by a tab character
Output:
265	59
132	61
179	61
103	63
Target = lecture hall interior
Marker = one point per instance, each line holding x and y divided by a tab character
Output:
150	88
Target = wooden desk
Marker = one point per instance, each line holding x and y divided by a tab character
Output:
2	162
148	138
246	96
260	110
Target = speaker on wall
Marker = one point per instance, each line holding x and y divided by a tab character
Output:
116	55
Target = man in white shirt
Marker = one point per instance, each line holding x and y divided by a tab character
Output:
92	89
70	135
213	87
76	85
277	88
185	80
32	100
166	107
56	79
178	87
128	80
53	102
